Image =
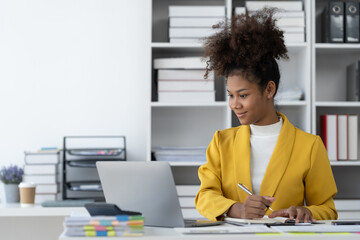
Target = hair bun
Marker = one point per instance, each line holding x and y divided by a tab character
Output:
250	41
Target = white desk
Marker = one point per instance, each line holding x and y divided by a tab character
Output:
155	233
15	210
34	222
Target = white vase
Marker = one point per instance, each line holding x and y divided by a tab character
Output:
12	193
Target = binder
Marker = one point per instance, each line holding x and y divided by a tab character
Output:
343	137
351	22
353	137
353	82
329	134
335	22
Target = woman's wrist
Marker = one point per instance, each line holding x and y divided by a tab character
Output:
235	210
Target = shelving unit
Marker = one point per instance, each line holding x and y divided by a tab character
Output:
316	67
329	62
173	123
80	179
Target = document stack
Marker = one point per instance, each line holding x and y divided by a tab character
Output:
104	226
182	80
186	195
180	154
188	24
290	17
341	22
339	133
41	167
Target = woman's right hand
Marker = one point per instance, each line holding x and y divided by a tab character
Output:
254	207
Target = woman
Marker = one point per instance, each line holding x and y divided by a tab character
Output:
285	167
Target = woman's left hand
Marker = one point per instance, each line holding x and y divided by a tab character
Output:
297	213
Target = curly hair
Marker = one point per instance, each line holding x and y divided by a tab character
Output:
249	46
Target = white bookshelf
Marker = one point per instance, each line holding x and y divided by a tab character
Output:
183	124
316	67
329	62
167	116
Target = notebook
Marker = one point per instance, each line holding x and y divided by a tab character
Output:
264	220
146	187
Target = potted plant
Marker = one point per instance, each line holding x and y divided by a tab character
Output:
11	177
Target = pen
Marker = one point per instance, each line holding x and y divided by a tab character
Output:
249	192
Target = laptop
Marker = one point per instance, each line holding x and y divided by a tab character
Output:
146	187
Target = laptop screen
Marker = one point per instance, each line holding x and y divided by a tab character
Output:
146	187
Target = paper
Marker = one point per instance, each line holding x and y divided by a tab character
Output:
226	230
318	228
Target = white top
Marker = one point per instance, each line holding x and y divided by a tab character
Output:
263	140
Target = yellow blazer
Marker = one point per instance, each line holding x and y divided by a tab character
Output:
299	170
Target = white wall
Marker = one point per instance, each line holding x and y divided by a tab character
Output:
73	67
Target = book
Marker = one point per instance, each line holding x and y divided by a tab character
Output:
180	150
293	29
352	22
121	225
180	158
186	74
353	82
119	220
194	22
180	63
40	179
353	137
42	157
289	14
240	10
187	202
47	188
189	96
294	37
42	197
200	85
191	32
284	5
185	40
196	11
343	137
187	190
347	205
286	14
191	213
329	135
291	22
110	233
40	169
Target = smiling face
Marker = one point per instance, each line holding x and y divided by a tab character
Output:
250	103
